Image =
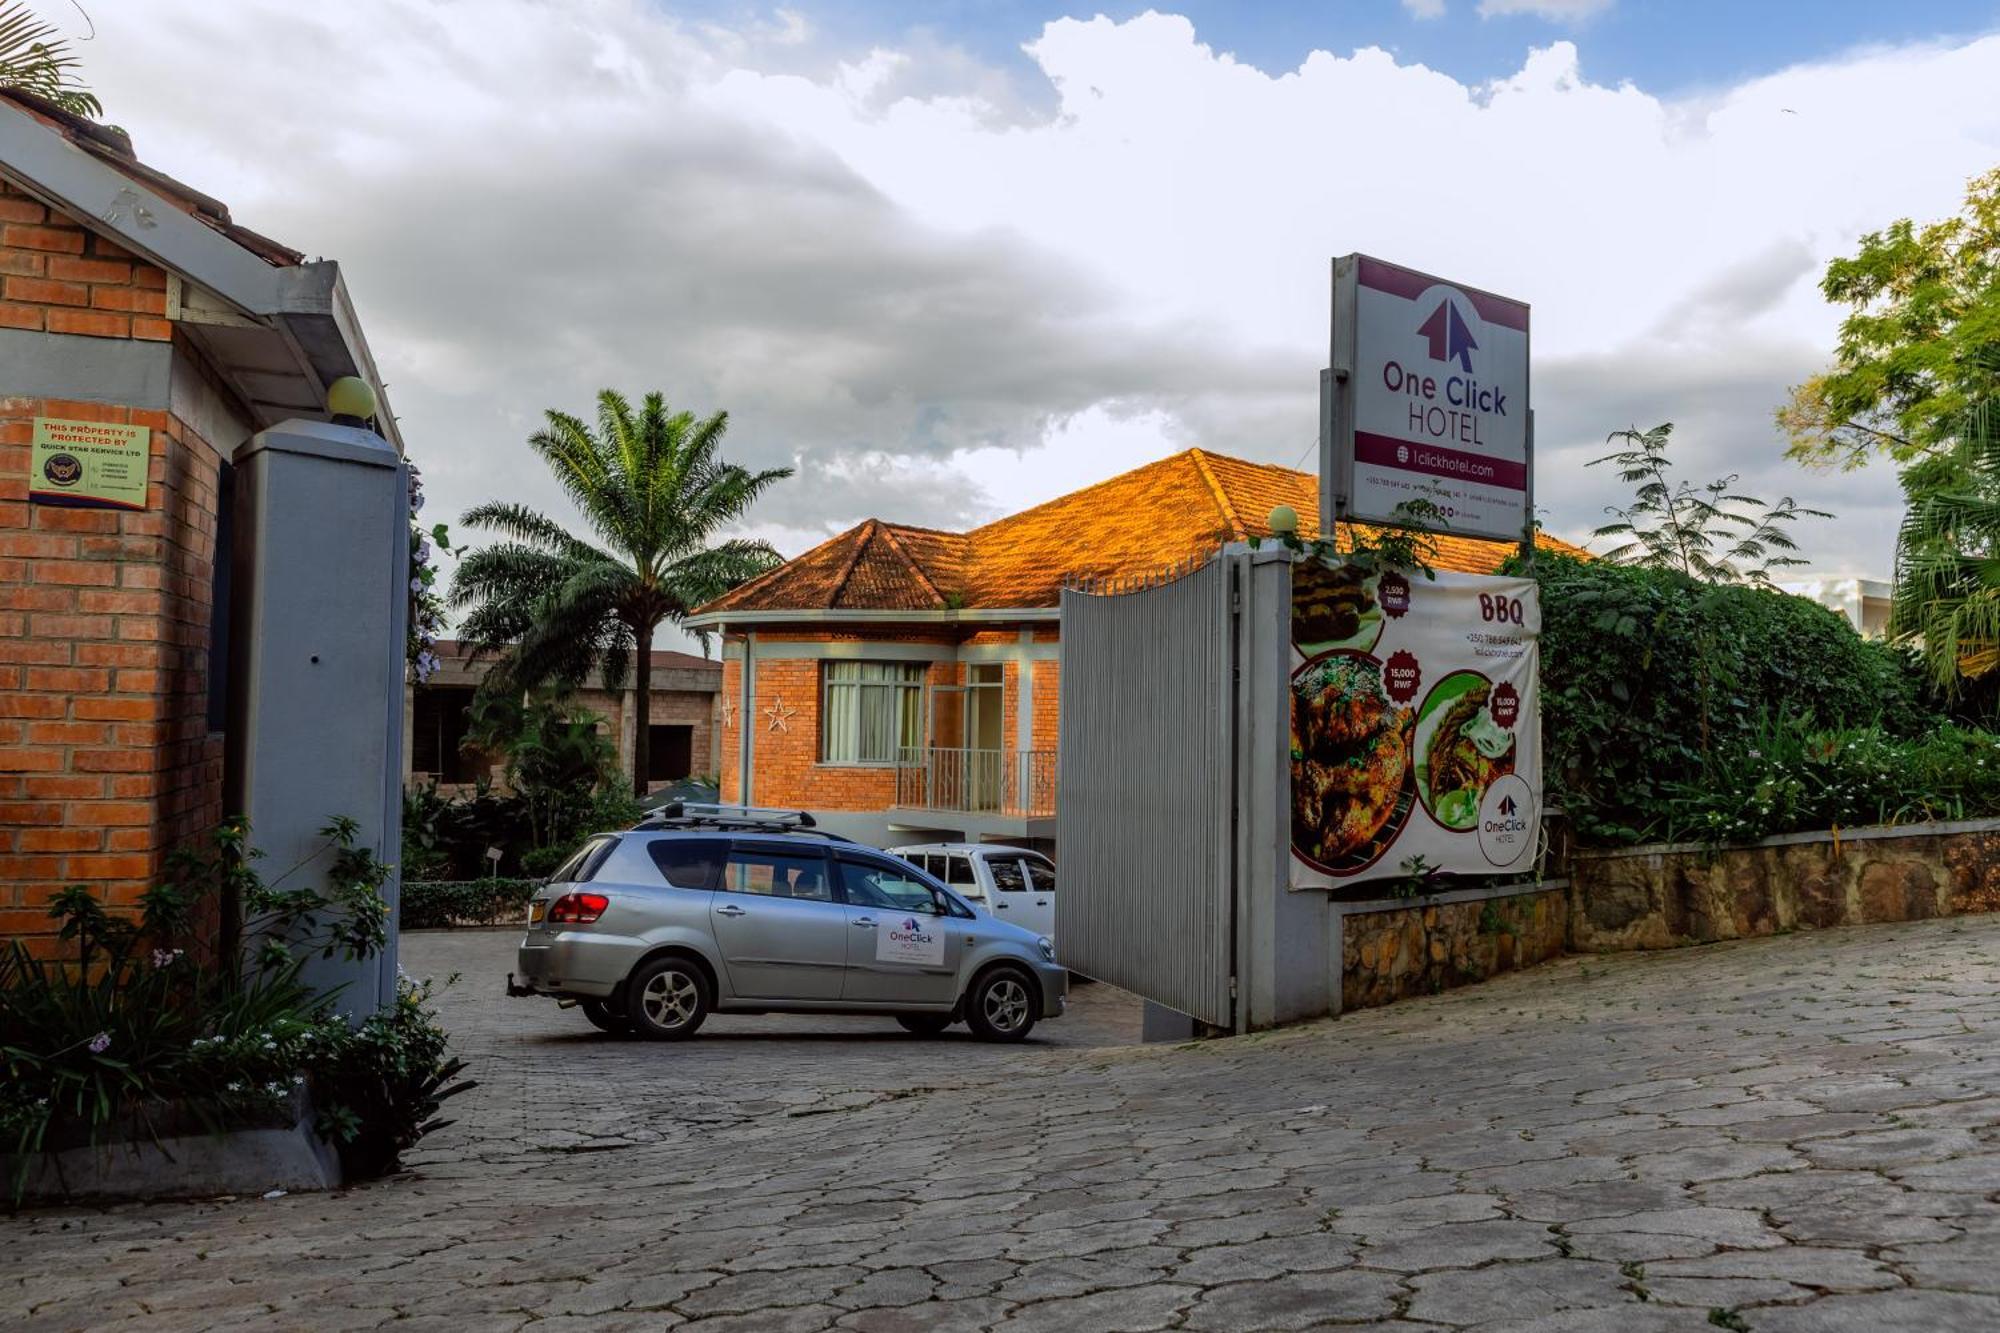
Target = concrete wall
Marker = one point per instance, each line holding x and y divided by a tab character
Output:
1661	896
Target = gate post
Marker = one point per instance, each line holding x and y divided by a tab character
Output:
322	602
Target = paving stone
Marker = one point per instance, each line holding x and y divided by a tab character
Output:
1928	1311
1300	1301
1460	1245
1704	1124
1517	1291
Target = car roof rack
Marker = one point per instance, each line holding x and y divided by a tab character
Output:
691	815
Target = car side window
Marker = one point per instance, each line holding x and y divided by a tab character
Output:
874	884
960	873
1006	872
689	863
571	871
1042	874
776	874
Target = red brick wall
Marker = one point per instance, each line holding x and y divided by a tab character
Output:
106	761
1047	703
55	277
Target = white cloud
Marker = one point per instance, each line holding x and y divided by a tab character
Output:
946	296
1424	9
1555	11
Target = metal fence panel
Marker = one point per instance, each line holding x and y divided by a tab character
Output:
1143	825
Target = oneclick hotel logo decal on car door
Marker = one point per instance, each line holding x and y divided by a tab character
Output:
1416	730
910	940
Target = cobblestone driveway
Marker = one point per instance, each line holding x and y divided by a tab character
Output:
1794	1134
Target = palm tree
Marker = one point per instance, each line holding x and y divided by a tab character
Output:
34	59
652	488
1947	593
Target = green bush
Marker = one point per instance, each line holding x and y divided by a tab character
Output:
148	1020
1790	780
428	904
1654	684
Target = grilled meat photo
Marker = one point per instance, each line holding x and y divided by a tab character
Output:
1350	756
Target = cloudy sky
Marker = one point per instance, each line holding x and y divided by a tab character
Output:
954	258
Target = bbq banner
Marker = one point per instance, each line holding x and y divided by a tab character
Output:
1416	724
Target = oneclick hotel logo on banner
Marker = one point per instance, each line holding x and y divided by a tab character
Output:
1507	821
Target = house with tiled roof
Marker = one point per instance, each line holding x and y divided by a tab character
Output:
901	682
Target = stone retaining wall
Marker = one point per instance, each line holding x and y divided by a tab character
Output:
1393	952
1662	896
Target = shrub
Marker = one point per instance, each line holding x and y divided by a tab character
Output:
428	904
1790	779
1653	682
150	1021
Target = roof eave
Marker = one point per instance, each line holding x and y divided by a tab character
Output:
724	620
306	306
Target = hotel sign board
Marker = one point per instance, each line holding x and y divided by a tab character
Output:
89	464
1427	399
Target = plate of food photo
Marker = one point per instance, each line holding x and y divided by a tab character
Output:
1334	606
1351	787
1460	749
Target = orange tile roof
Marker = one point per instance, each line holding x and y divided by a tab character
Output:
1149	519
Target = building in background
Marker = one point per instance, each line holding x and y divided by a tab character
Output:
901	683
1865	602
686	689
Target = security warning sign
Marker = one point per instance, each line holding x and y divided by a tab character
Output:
89	464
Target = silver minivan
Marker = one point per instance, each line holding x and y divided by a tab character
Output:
651	929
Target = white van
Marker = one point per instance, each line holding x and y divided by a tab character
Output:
1012	883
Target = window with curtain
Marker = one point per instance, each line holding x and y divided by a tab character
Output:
871	712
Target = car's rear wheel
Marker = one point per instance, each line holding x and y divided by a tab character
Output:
604	1018
1001	1006
924	1025
666	999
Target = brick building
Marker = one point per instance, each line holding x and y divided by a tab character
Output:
686	693
901	683
131	302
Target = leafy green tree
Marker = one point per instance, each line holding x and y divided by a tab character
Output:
556	758
1921	346
34	59
1947	598
1707	532
652	487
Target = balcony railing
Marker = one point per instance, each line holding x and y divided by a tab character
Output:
1005	782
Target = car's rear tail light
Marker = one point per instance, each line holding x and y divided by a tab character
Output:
578	908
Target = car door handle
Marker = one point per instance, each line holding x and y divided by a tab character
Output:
729	909
1041	902
999	907
865	922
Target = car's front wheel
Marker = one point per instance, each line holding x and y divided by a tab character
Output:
666	999
604	1018
924	1025
1001	1006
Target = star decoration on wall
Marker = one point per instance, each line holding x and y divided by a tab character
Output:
728	714
780	713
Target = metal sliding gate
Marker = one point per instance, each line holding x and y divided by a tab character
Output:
1144	824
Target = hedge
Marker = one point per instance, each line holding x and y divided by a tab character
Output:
1654	682
465	902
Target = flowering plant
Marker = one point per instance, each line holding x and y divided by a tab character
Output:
148	1019
426	602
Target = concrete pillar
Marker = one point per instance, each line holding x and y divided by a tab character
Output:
322	605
